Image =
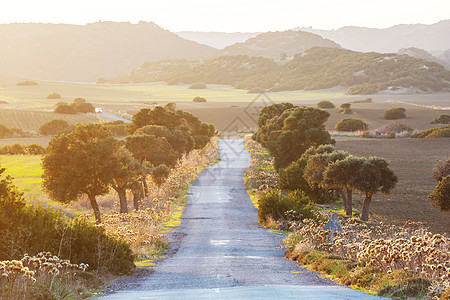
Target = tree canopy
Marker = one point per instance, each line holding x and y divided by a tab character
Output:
80	162
287	131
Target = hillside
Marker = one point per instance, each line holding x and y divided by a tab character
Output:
85	53
218	40
420	53
432	38
316	68
274	44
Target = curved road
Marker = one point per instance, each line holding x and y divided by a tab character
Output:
221	252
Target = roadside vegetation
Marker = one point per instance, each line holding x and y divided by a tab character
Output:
152	173
301	195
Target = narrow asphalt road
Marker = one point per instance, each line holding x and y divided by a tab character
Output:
221	252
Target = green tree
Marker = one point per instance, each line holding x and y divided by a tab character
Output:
441	194
4	131
125	173
368	176
80	162
65	109
160	174
55	126
287	131
314	175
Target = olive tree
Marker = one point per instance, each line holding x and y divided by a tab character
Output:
287	131
80	162
368	176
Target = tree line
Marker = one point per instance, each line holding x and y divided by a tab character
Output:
306	160
89	160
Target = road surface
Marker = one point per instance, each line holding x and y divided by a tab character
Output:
221	252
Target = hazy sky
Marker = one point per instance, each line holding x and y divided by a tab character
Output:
230	15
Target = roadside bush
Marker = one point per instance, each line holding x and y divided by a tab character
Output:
197	86
345	105
65	109
438	132
350	124
442	119
160	174
291	179
395	113
294	206
54	96
325	104
441	195
26	83
56	126
3	102
33	229
199	99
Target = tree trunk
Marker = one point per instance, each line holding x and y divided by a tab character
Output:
366	206
344	198
95	207
144	183
137	200
349	209
122	198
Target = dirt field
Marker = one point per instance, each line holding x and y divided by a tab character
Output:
412	160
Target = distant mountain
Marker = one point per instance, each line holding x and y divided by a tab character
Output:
444	56
314	69
85	53
275	44
420	53
217	40
435	37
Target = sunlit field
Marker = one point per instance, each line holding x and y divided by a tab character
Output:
27	172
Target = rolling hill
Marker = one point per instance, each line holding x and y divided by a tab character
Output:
84	53
431	38
314	69
275	44
218	40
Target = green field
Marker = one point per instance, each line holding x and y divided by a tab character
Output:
27	172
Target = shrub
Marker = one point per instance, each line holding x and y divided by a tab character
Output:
35	149
442	119
345	105
55	126
117	128
291	179
26	83
32	229
345	111
395	113
54	96
3	102
197	86
439	132
295	206
441	170
441	195
325	104
65	109
199	99
350	124
160	174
